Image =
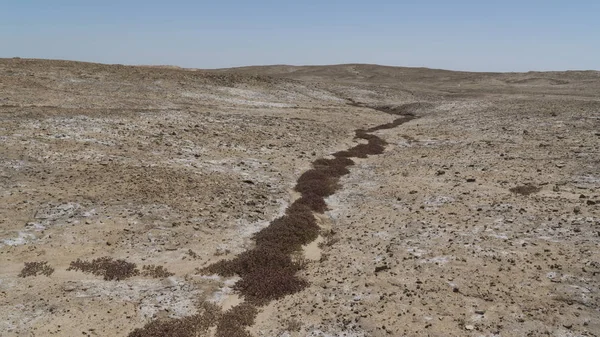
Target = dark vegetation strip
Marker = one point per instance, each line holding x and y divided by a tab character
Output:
117	270
268	271
36	268
192	326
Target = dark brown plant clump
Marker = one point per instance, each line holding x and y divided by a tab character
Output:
374	145
290	232
155	271
525	189
107	267
191	326
36	268
249	260
233	323
313	201
336	162
267	274
316	182
192	254
268	271
265	284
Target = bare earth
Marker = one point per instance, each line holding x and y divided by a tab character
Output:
480	218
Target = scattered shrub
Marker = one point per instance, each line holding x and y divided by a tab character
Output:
293	325
191	326
107	267
36	268
155	271
192	254
329	239
525	190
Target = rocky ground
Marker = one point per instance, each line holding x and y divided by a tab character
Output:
481	217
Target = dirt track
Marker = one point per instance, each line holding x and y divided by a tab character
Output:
480	217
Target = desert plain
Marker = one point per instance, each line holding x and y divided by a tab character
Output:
443	203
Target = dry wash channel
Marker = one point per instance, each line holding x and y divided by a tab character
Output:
269	270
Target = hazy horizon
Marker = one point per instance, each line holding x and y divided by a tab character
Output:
514	36
292	65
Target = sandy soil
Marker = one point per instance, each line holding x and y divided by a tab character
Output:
482	216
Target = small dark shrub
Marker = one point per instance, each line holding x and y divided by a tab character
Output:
155	271
192	254
525	190
329	239
107	267
36	268
293	325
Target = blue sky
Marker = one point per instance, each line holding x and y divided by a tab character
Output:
463	35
